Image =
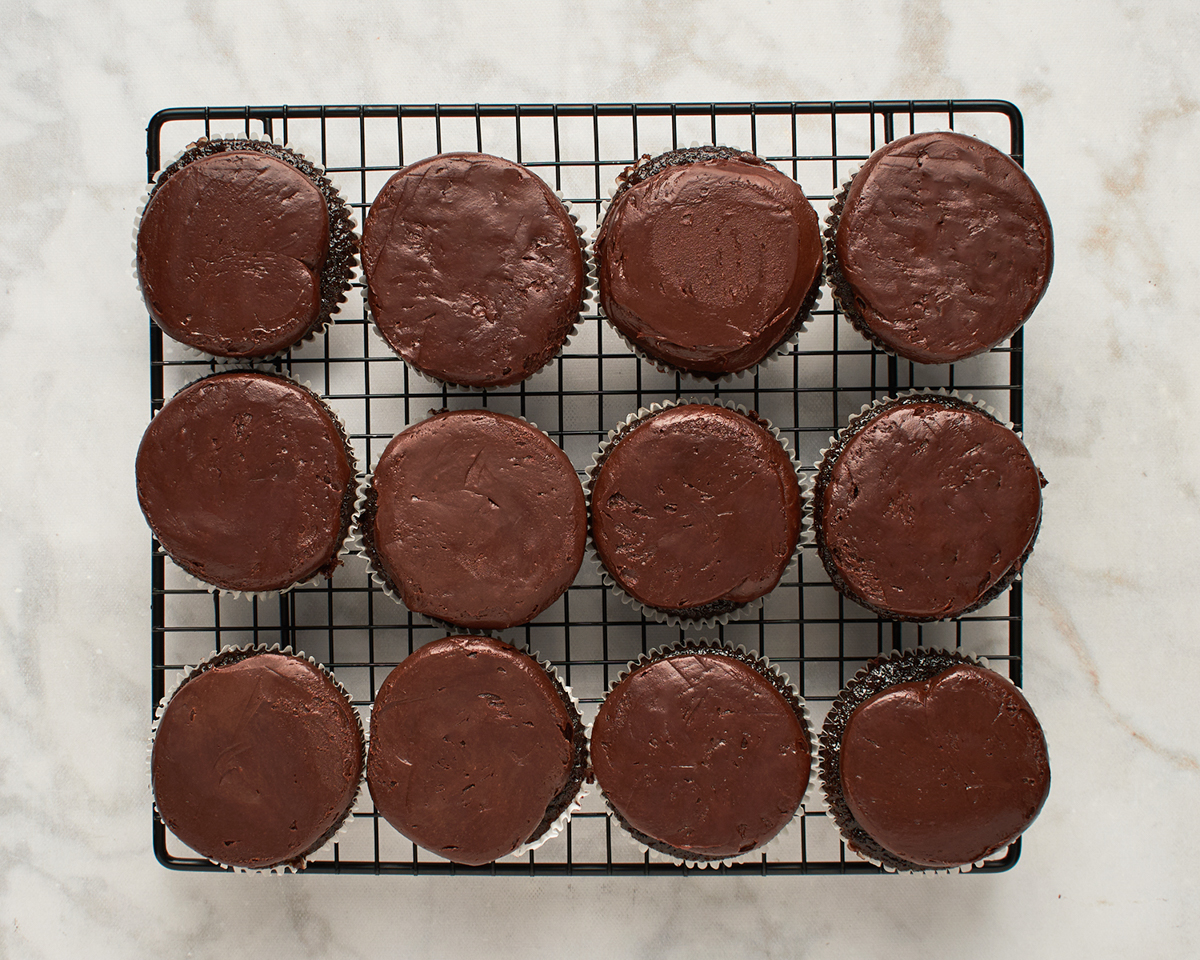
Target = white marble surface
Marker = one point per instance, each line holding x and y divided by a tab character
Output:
1111	96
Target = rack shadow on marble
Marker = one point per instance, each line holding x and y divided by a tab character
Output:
815	636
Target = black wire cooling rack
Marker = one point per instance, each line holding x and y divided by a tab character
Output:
804	626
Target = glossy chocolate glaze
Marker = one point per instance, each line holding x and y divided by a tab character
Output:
256	760
695	510
707	259
701	755
475	518
475	749
243	248
473	267
926	508
942	247
247	482
942	770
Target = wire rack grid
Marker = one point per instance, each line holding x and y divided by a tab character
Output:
804	626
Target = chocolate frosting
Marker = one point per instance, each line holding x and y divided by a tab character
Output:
476	519
695	510
247	482
945	771
475	750
925	508
701	755
706	259
942	247
232	248
474	269
256	760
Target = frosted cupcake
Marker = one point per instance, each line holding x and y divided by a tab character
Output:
244	248
257	759
939	248
709	260
925	507
477	752
702	752
929	760
475	519
695	510
247	481
474	268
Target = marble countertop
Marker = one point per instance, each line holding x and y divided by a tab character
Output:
1110	93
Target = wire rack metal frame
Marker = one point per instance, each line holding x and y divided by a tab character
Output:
814	635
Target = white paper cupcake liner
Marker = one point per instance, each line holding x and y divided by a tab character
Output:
357	544
299	863
827	748
343	229
808	535
587	296
786	688
345	548
782	349
740	612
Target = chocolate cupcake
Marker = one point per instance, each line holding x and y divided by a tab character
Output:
474	269
244	248
476	751
257	759
695	510
702	752
474	519
929	760
925	507
939	248
247	482
709	260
